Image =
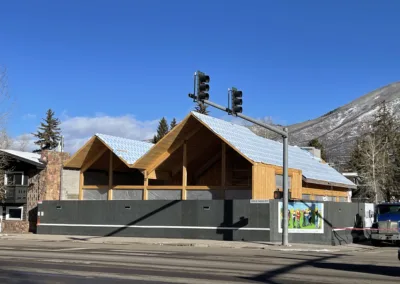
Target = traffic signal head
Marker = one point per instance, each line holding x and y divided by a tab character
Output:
202	86
236	101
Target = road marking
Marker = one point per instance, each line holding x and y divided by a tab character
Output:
155	227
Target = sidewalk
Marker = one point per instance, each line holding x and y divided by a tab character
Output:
182	242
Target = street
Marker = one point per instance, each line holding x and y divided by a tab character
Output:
80	262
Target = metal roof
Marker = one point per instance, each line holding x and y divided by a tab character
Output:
29	157
261	150
126	149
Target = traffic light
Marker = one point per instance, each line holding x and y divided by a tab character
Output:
202	86
237	101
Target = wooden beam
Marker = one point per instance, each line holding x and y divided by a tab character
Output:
163	175
81	182
110	176
167	154
223	168
216	187
184	171
207	165
81	150
165	187
95	187
323	192
146	185
94	159
116	187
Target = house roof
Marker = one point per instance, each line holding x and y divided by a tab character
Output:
127	150
28	157
261	150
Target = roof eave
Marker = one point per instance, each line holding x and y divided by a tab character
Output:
37	164
322	182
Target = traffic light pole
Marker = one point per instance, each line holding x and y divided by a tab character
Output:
285	136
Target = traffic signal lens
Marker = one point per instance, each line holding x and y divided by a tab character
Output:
204	78
204	96
204	88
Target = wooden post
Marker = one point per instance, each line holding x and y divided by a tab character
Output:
146	184
110	176
223	169
81	183
184	171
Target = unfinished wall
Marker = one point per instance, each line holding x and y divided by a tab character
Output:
70	184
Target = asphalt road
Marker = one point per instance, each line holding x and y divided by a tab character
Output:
79	262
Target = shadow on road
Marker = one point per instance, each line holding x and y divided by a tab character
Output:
320	262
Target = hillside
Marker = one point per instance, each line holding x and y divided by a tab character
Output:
339	128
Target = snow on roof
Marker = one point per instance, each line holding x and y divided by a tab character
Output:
29	157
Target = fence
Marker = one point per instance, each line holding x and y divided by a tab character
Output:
239	220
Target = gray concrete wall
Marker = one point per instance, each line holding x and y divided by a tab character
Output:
70	184
198	219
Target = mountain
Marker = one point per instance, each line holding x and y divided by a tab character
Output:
338	129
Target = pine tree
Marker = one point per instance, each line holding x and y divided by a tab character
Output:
162	130
318	145
49	133
201	108
173	124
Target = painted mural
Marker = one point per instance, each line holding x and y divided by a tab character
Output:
304	217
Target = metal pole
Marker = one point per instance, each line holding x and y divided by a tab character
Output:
285	235
285	136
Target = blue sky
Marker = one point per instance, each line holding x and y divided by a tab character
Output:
109	66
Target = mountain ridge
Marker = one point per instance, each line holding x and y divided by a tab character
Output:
338	129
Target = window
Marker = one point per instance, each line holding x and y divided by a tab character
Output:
15	178
14	213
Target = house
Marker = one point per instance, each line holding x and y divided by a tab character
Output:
201	158
27	178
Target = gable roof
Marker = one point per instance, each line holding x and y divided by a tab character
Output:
127	150
261	150
28	157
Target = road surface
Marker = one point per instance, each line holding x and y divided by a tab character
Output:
80	262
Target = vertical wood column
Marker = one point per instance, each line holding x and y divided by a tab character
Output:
184	171
110	177
223	169
146	184
81	183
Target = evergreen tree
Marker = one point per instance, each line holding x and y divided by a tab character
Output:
202	108
49	133
318	145
173	124
162	130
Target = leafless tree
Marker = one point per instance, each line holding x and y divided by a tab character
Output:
372	166
23	142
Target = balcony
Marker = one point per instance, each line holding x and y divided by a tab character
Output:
16	194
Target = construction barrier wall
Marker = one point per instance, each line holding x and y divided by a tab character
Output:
311	222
